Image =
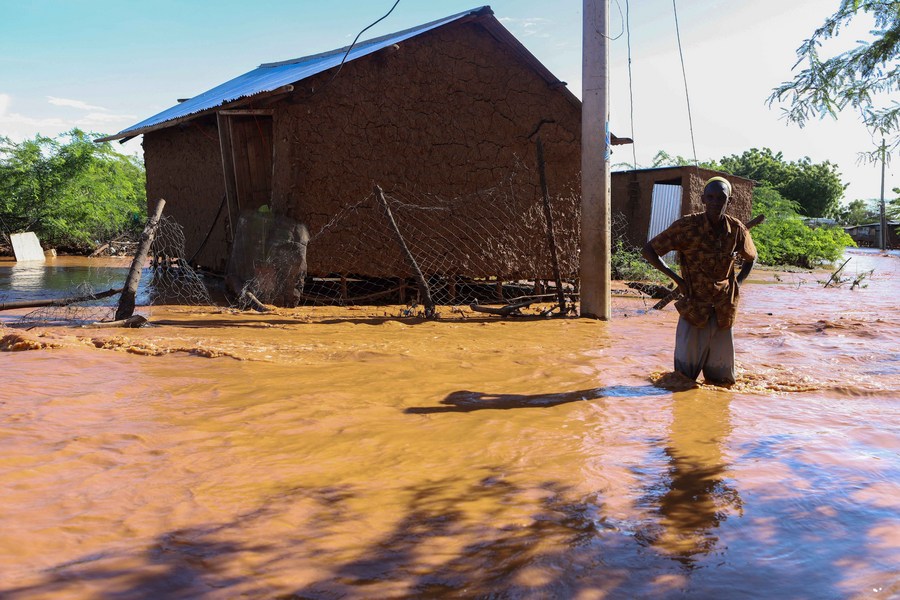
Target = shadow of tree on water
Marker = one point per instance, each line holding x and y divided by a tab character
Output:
486	535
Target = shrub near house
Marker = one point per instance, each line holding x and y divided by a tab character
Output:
785	240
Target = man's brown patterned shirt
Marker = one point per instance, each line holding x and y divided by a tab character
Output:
707	257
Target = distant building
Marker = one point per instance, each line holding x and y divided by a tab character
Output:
816	222
869	235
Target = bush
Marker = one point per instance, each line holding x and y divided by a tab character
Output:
72	193
785	240
628	264
790	242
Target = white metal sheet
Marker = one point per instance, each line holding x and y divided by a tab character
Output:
26	246
665	209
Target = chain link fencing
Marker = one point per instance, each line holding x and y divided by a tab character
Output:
412	254
168	280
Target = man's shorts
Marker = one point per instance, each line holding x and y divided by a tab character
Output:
708	349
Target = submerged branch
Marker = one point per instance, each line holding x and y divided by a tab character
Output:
58	301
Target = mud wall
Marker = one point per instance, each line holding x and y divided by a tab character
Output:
741	197
445	116
632	194
184	166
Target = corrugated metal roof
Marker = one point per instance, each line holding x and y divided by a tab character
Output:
272	76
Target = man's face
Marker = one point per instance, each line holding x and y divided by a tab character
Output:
715	197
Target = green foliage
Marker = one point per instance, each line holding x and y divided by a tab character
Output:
664	159
767	201
865	79
628	264
72	193
815	187
892	207
783	239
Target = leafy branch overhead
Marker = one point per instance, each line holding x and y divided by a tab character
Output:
865	78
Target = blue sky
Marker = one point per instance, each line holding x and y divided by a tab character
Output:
103	65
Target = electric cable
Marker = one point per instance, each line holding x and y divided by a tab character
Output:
630	84
208	233
684	76
353	43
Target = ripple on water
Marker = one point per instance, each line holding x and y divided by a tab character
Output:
340	469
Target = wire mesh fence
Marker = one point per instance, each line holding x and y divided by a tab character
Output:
405	249
413	254
94	299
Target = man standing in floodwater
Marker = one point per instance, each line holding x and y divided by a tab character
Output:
708	244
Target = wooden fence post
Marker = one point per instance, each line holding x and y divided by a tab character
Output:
551	236
420	279
129	290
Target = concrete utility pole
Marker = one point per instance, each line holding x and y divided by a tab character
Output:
595	150
884	236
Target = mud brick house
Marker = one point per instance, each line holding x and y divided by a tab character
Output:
646	201
443	110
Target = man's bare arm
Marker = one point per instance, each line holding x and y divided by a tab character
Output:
745	270
657	263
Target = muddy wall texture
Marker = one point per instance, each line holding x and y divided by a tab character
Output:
632	194
443	119
184	166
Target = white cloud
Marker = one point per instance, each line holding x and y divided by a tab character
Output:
17	119
73	103
103	118
18	126
527	26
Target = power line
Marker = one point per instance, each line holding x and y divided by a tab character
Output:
353	43
622	22
630	84
687	96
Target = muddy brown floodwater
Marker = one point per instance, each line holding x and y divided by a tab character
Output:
325	454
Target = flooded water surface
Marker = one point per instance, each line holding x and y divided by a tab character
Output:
322	453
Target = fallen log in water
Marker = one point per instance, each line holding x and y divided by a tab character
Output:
503	311
99	250
255	302
132	321
58	301
129	291
650	289
836	273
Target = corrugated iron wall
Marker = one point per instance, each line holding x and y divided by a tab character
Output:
665	210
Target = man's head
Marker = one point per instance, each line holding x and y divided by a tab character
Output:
715	197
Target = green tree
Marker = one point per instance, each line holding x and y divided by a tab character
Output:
768	201
865	79
857	212
816	187
892	207
72	193
664	159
